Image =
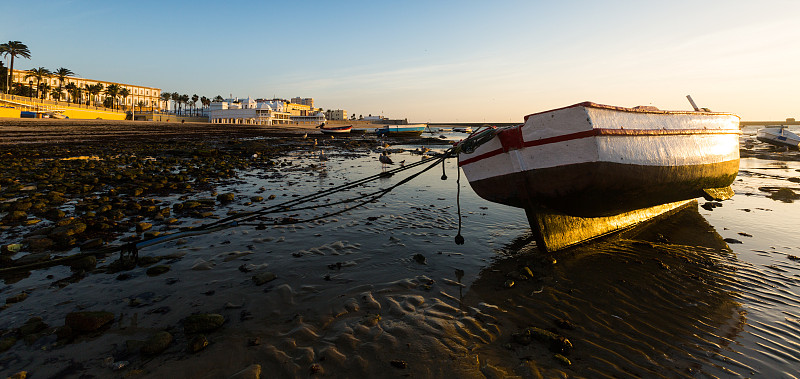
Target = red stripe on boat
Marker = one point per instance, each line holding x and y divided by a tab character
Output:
513	140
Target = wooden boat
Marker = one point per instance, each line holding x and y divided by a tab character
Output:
410	130
589	169
335	129
779	135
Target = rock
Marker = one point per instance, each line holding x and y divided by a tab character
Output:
785	195
225	197
16	216
560	345
157	270
85	322
157	343
732	240
39	243
32	326
264	277
148	261
419	258
143	226
202	323
197	343
256	199
7	342
92	244
11	248
16	298
250	372
86	263
398	363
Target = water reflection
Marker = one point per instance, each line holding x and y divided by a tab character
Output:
652	301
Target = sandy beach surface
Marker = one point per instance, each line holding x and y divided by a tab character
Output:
376	291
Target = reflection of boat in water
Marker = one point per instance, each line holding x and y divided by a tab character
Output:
335	129
778	135
588	169
410	130
652	303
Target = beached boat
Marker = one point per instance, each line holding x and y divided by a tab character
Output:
779	135
463	130
410	130
335	129
588	169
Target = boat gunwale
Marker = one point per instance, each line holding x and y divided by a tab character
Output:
589	104
601	132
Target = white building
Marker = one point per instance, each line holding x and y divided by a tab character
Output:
248	112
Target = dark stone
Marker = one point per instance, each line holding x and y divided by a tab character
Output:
197	343
32	326
16	298
86	263
157	343
7	342
560	345
225	197
157	270
202	323
264	277
85	322
419	258
398	363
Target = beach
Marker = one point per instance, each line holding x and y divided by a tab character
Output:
380	290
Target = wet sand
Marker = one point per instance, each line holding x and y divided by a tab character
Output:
381	291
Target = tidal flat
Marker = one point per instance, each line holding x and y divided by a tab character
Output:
377	291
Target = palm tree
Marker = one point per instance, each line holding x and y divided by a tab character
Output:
39	74
205	102
56	93
14	49
140	104
175	97
113	91
94	90
218	99
124	92
194	100
62	74
3	76
72	90
184	99
166	96
45	88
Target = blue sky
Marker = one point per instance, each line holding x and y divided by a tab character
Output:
432	61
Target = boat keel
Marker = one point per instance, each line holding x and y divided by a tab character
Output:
555	231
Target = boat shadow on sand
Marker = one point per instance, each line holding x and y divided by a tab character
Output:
653	301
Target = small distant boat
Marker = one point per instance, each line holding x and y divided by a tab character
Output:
589	169
410	130
335	129
445	129
779	135
463	129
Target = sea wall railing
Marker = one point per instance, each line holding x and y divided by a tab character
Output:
40	104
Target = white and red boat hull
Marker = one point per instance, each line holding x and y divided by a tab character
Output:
336	129
591	160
